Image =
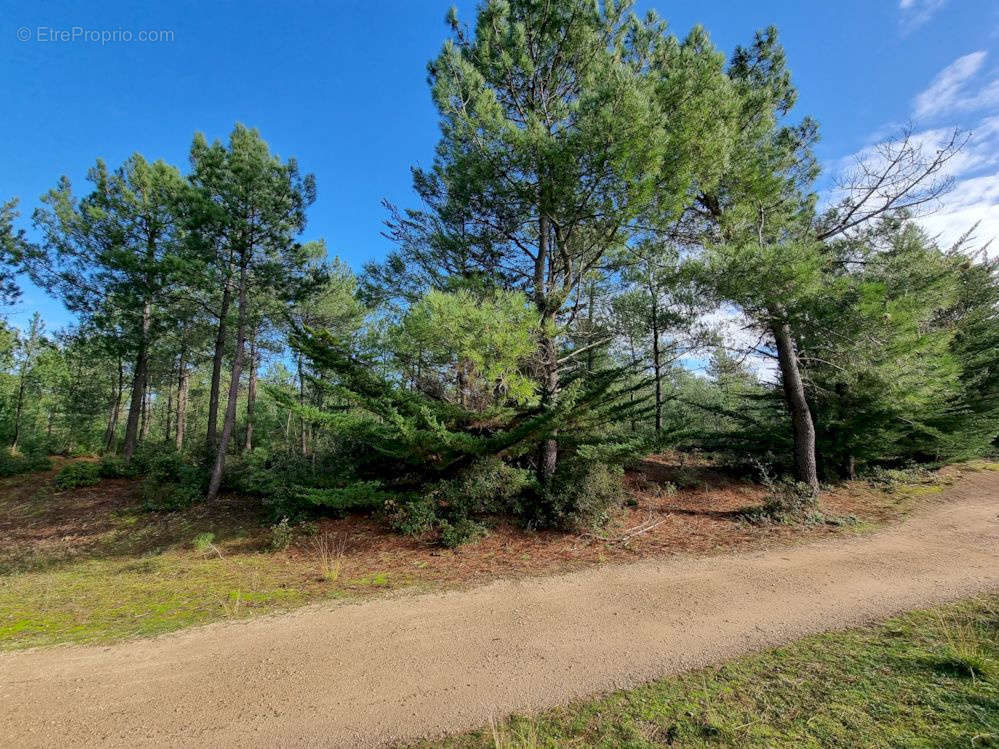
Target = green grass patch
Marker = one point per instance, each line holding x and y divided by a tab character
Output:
101	600
927	679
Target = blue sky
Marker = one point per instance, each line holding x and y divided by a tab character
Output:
341	86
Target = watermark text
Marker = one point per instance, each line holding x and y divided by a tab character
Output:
85	35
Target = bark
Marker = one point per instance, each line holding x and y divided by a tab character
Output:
656	363
169	412
301	402
548	461
464	367
801	415
548	450
590	316
147	416
183	380
138	384
251	395
115	408
213	398
21	386
229	422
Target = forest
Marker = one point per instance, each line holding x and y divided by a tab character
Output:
621	248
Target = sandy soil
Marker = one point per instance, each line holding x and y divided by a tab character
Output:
398	669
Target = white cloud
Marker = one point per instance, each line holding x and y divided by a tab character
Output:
974	197
973	201
917	12
949	91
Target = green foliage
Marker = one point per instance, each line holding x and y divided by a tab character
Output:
266	473
460	532
889	479
787	501
442	462
486	340
12	246
171	482
12	463
282	534
488	487
357	495
77	475
581	497
203	541
114	467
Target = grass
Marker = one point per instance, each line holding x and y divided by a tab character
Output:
927	679
89	566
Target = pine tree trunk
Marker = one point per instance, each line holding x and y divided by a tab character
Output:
182	384
801	416
657	365
138	385
169	413
147	416
217	357
229	422
19	409
301	402
251	395
548	450
115	408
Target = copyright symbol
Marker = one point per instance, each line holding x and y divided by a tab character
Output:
24	34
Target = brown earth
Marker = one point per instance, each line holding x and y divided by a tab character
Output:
402	668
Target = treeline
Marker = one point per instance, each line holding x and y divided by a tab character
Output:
602	192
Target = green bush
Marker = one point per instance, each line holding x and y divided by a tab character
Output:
411	514
203	541
787	501
113	467
889	479
171	482
460	532
487	487
76	475
282	534
581	496
12	464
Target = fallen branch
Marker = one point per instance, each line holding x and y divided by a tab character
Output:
644	527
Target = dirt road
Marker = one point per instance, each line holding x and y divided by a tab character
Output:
392	670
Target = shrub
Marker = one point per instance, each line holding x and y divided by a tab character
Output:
462	531
76	475
889	479
358	495
281	535
581	495
12	463
488	486
113	467
411	514
171	483
787	501
203	541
